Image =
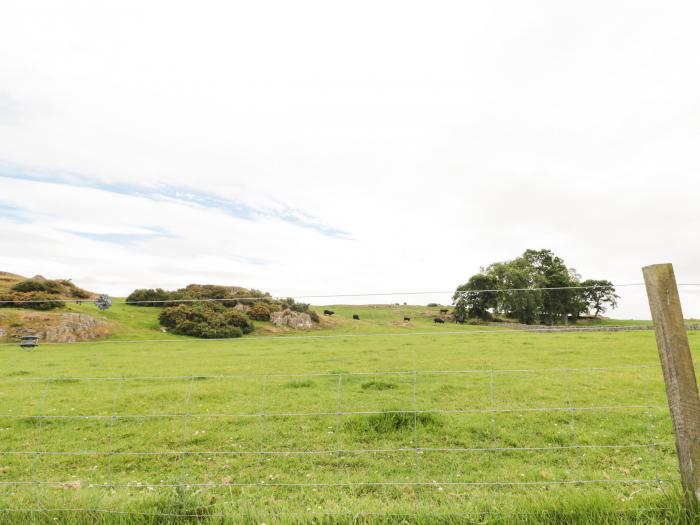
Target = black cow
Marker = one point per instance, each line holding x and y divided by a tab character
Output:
438	320
444	311
328	312
405	318
356	317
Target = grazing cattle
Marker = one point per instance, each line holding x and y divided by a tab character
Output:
405	318
438	320
356	317
328	312
444	311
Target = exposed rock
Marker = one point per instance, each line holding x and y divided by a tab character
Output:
291	319
58	328
75	327
243	308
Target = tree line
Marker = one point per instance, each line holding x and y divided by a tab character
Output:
534	288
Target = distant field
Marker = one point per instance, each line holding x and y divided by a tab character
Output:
365	421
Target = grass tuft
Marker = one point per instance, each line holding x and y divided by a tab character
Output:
378	385
389	421
305	383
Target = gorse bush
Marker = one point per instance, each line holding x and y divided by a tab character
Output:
259	305
224	295
33	285
38	293
206	320
260	312
148	296
58	287
31	300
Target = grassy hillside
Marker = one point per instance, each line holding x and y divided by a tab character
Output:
369	421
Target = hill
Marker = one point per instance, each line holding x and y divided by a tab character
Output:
21	318
57	288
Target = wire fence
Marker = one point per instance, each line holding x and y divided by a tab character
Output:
451	293
510	429
380	416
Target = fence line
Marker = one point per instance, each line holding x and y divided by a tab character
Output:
344	413
339	295
312	513
59	379
332	474
494	330
352	484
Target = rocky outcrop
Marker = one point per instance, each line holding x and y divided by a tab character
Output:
290	319
75	327
59	328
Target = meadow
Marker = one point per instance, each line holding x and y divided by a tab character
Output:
370	421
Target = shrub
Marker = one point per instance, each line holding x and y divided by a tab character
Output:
259	312
30	285
146	296
432	305
206	320
37	300
391	421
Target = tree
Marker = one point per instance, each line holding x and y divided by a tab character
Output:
599	295
475	298
536	287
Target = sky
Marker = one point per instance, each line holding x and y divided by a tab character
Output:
308	148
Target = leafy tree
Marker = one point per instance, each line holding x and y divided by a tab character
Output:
598	296
536	287
470	303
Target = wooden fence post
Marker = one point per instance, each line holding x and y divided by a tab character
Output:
679	374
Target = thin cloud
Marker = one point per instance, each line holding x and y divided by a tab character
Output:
180	194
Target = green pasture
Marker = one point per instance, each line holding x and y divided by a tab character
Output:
370	421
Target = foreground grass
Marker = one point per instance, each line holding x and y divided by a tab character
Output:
409	424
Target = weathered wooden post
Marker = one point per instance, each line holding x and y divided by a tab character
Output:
679	374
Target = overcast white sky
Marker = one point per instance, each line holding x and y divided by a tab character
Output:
325	147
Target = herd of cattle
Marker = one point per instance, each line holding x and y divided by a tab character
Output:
356	317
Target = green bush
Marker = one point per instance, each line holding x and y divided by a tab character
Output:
259	312
31	300
146	296
31	285
206	320
61	287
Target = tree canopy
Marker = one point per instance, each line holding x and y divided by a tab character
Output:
536	287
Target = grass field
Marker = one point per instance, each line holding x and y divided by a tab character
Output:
370	421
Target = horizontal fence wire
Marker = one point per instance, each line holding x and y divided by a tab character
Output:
494	330
58	379
342	413
353	484
317	514
332	296
342	295
322	452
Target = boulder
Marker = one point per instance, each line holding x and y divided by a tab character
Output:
291	319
